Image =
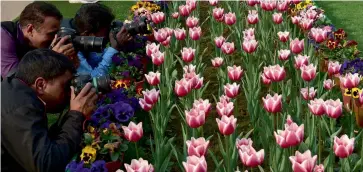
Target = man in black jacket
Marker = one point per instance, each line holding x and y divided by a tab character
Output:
42	85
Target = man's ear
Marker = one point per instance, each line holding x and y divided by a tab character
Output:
40	85
29	29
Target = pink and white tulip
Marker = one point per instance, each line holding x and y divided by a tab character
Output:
158	17
218	14
283	36
145	106
303	162
295	19
185	10
195	118
297	46
268	5
282	6
243	142
231	90
250	157
225	108
195	164
152	48
219	41
293	134
227	125
328	84
277	18
319	168
202	105
140	165
265	80
192	22
197	147
343	146
213	2
153	78
333	68
308	73
151	96
166	43
195	33
249	46
133	132
350	80
319	35
175	15
182	87
230	18
275	73
252	17
161	35
217	62
304	93
301	61
316	107
188	54
272	104
235	72
157	58
306	23
284	54
252	2
333	109
228	47
192	4
180	34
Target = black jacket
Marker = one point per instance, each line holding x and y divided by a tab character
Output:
26	142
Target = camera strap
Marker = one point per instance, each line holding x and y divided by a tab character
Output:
94	82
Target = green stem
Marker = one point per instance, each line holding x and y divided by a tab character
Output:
137	151
227	153
320	143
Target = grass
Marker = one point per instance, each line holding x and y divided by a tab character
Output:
346	15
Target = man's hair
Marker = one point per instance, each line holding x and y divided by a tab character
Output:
44	63
35	13
93	16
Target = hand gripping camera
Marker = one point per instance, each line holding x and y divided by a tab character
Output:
83	43
102	83
140	25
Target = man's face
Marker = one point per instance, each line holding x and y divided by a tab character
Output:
43	36
56	93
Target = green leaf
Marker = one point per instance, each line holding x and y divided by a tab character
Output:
261	169
87	138
248	134
124	147
115	156
358	165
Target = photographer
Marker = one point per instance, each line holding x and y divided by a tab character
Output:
94	19
37	26
42	85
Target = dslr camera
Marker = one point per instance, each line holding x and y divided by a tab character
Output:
83	43
102	83
140	25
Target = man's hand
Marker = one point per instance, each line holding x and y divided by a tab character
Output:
123	37
61	47
85	101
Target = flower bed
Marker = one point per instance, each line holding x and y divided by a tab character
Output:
298	124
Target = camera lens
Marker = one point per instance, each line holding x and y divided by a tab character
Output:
104	84
90	43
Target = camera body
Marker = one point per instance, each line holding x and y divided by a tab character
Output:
102	83
140	25
83	43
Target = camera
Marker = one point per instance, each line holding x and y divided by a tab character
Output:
102	83
83	43
140	25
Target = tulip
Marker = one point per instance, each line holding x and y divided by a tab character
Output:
133	132
350	80
195	81
304	93
243	142
308	73
343	146
195	164
189	68
192	22
213	2
225	108
234	73
227	125
250	157
224	98
295	19
252	17
153	78
303	162
197	147
228	47
249	46
188	54
283	36
192	4
231	90
293	134
139	166
282	6
158	17
268	5
295	1
195	118
311	14
360	98
151	97
202	105
272	104
217	62
252	2
328	84
316	107
161	35
277	18
145	106
218	13
319	168
319	35
219	41
175	15
157	58
180	34
297	46
265	80
199	82
306	23
195	33
249	34
284	54
182	87
166	42
333	68
230	18
275	73
301	61
152	48
333	109
184	10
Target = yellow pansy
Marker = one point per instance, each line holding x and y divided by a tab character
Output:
348	92
134	7
88	154
355	92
